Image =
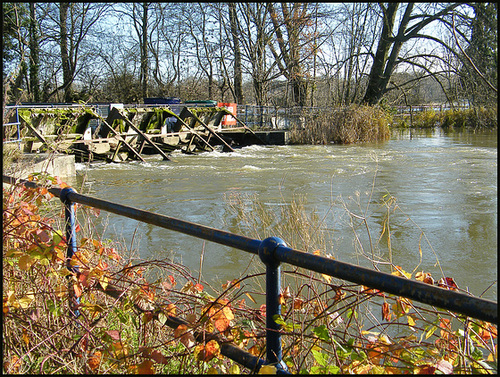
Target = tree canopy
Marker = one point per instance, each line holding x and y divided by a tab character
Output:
283	54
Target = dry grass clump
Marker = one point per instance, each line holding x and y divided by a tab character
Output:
354	124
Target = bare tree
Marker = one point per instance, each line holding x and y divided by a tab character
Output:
391	41
238	78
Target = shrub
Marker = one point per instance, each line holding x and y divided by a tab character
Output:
124	304
354	124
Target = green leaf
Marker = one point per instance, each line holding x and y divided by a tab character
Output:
333	369
360	356
279	320
322	333
321	358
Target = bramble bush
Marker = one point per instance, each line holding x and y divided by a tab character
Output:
127	306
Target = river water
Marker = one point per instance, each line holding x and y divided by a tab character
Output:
434	193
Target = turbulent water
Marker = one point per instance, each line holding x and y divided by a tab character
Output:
439	191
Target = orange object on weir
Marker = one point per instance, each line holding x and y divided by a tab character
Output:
228	120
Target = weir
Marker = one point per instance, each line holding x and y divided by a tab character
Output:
118	132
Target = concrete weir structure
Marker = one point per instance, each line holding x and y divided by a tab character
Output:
60	165
119	132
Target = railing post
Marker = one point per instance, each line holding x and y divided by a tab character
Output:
70	227
273	307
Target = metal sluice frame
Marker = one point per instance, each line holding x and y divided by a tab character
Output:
273	251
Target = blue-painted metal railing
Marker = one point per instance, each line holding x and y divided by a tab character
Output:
273	251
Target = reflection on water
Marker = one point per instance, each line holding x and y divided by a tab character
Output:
444	185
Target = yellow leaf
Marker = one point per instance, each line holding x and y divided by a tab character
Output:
212	370
228	313
411	321
24	302
267	369
234	369
430	332
328	278
251	298
104	280
400	272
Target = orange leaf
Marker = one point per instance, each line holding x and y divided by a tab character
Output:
198	287
281	299
338	294
448	283
262	310
221	324
94	360
146	367
298	303
78	290
386	311
212	349
158	357
25	337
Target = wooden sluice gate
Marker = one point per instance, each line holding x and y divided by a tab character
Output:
130	133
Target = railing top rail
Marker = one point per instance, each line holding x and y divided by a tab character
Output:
446	299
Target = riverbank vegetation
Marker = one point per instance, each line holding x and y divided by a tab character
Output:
476	118
125	305
350	125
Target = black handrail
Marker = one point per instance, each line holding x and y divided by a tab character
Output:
272	252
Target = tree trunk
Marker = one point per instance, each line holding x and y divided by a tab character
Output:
34	56
375	89
238	88
63	43
144	51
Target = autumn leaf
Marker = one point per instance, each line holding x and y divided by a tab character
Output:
113	334
13	365
268	369
94	360
400	272
221	324
207	352
298	303
158	357
25	262
386	311
339	295
146	367
26	339
262	310
228	313
448	283
185	335
251	298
